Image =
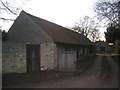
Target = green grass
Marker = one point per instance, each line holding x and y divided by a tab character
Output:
107	53
105	65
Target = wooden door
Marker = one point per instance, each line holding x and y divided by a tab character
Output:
33	57
66	60
62	60
70	61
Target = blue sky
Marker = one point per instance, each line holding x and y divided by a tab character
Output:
62	12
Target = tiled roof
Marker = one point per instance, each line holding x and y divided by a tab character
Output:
60	34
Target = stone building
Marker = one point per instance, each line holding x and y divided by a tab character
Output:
35	44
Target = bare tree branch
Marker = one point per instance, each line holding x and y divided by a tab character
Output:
87	26
8	8
108	10
11	8
5	19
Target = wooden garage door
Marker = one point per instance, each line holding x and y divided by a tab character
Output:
67	59
33	57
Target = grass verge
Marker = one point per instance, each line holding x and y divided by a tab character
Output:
105	67
108	53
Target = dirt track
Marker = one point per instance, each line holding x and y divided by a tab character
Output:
88	79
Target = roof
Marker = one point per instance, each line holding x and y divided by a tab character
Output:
29	28
60	34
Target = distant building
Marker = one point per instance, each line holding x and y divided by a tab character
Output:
35	44
101	46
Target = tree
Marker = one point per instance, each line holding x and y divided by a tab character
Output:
10	7
88	27
95	35
109	10
112	33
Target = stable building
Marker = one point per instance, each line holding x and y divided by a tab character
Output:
34	44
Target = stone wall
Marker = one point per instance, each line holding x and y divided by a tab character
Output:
13	57
0	60
48	56
0	52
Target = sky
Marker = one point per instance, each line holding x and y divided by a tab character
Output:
62	12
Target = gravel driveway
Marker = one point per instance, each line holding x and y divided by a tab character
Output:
87	79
